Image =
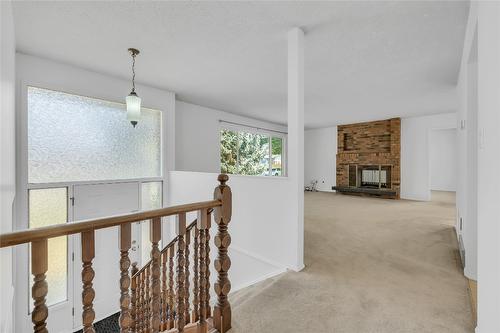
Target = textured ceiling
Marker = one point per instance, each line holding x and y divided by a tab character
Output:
364	60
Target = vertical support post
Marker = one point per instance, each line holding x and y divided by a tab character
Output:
181	232
39	266
88	293
203	224
222	215
155	236
133	298
125	243
296	144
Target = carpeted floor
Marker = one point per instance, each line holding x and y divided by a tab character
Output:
372	266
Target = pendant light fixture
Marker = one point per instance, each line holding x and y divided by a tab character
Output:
132	100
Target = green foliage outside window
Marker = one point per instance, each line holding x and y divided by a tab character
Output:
248	153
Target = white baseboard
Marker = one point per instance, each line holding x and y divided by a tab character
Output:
255	281
257	257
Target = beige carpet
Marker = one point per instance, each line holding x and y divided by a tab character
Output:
372	265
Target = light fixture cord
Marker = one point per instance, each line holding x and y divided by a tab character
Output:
133	72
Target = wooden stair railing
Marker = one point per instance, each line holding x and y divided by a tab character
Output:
157	297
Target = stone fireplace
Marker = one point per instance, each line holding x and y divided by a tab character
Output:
368	158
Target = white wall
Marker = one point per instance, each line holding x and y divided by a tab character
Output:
320	157
7	161
261	245
197	135
488	185
443	159
415	152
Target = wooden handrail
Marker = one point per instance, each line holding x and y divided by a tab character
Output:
26	236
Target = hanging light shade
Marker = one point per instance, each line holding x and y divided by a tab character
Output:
132	100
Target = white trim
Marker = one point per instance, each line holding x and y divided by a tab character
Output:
257	280
257	257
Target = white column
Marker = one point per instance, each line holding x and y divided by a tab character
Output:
296	142
488	171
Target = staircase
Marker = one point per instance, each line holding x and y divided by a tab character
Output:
171	293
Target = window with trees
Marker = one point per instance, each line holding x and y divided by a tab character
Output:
248	151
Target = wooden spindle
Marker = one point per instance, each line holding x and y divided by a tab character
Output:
164	291
142	298
133	298
222	215
187	318
146	309
181	232
203	225
39	266
207	263
155	236
125	244
171	310
88	293
196	289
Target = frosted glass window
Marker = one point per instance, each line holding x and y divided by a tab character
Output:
151	194
76	138
48	207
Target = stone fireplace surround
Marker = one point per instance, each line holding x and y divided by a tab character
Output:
367	151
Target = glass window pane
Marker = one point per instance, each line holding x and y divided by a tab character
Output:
228	151
277	157
253	154
49	207
75	138
151	199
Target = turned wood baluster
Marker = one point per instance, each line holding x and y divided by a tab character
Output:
181	231
88	293
207	262
164	291
196	289
39	266
125	243
141	307
187	318
133	298
203	225
146	310
171	310
155	236
222	215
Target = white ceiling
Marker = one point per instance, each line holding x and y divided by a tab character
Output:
364	60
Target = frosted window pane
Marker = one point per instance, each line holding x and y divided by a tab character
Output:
75	138
151	199
49	207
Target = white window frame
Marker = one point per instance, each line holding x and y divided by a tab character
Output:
235	127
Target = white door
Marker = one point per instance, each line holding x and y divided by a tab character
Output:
100	200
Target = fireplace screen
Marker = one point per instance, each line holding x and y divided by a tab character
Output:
372	176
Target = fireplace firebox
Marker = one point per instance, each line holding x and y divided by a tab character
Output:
370	176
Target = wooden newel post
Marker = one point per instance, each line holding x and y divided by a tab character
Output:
155	236
39	266
222	215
